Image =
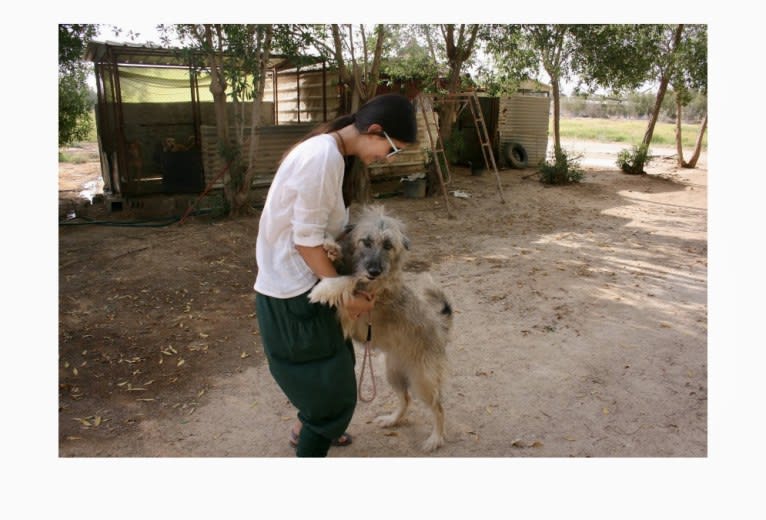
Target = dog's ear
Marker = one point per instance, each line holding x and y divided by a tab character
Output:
406	243
345	233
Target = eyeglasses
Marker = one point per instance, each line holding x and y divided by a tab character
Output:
394	149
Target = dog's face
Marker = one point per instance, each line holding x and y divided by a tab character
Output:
379	245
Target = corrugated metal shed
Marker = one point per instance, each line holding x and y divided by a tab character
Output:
301	98
272	144
152	54
524	119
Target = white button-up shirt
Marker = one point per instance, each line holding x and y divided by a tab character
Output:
304	204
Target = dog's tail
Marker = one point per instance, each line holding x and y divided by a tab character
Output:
438	301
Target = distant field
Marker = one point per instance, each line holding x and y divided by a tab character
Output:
627	131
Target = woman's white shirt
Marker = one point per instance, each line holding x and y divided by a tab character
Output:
303	206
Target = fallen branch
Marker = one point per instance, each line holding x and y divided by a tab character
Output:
130	252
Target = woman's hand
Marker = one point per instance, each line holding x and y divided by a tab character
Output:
360	303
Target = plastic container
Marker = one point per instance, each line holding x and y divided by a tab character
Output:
414	189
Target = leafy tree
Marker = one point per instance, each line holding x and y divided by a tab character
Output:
625	56
459	45
616	57
237	57
356	51
360	70
555	46
690	74
664	69
75	97
520	51
410	53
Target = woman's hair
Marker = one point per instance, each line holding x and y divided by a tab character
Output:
393	112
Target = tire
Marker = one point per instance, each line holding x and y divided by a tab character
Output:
515	155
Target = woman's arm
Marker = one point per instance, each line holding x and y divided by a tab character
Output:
317	260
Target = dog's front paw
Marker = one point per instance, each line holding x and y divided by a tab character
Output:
333	249
387	421
330	291
433	442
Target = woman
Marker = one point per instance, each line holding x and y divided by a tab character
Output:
304	344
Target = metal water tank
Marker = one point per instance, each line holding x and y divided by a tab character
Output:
523	118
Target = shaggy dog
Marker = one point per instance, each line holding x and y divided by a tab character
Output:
411	319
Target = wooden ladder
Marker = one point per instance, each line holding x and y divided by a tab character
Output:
437	146
472	101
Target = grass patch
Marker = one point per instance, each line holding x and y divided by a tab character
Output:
72	157
92	137
74	154
628	131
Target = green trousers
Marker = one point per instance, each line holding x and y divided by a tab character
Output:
312	363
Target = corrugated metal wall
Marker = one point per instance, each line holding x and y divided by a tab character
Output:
300	96
273	142
524	119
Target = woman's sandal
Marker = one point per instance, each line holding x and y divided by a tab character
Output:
343	440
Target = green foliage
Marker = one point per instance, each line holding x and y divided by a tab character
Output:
76	99
617	57
75	106
634	160
70	158
690	65
511	59
563	170
454	146
408	56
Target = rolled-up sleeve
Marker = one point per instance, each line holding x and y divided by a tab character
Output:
318	186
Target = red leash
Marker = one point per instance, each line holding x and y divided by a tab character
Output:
367	356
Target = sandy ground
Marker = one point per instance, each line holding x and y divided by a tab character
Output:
580	325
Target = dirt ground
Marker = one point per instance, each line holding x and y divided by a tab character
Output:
580	324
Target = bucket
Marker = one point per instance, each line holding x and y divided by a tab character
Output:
415	189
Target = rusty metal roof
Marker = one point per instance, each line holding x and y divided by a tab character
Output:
155	55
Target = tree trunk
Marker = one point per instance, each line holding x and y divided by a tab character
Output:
664	80
240	198
447	109
679	143
556	117
356	185
372	81
218	90
457	53
362	78
656	111
698	147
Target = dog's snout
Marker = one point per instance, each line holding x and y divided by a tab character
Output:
373	271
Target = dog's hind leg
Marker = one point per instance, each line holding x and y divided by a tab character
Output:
436	438
429	392
398	382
